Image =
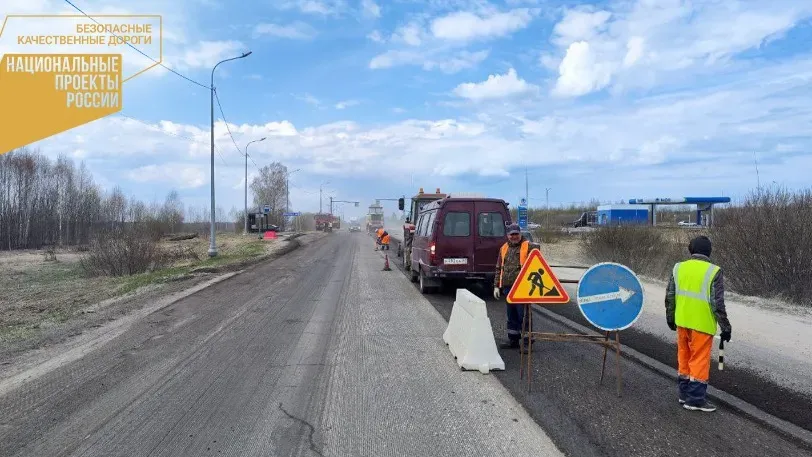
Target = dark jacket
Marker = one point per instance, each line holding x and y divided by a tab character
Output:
717	293
512	265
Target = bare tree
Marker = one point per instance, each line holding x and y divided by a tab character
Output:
269	189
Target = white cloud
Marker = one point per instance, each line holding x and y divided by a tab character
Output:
581	72
376	36
206	54
445	61
295	31
317	7
409	34
464	25
346	104
370	8
184	176
459	62
496	86
638	43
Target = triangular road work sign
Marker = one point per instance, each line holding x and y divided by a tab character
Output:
537	283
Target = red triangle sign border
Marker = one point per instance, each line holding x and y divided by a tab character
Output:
564	298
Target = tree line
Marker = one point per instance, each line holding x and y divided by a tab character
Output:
55	202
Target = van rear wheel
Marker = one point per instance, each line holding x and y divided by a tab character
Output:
424	288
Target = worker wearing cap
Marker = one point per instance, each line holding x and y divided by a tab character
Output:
694	307
509	263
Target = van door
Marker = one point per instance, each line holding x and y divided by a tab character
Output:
454	240
421	241
490	234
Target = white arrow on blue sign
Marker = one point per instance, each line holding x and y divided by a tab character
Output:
292	214
610	296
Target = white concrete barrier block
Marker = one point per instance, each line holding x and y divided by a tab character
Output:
469	334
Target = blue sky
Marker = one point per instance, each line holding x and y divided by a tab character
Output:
609	100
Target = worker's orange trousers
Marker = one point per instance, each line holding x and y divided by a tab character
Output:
694	354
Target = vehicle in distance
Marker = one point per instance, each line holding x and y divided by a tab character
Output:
587	219
457	239
355	228
415	204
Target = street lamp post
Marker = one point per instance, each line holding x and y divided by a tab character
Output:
287	191
320	193
245	230
547	204
212	245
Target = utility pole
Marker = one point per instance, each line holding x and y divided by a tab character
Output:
547	204
526	187
245	230
212	245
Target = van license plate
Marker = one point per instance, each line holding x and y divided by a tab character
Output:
462	261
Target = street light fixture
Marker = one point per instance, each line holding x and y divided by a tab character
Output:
245	230
212	245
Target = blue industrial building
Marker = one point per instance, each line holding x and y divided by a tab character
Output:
622	215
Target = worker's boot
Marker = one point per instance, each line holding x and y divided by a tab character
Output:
510	344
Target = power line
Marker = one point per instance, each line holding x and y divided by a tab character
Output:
138	50
154	127
223	115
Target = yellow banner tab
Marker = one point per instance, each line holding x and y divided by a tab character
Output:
45	94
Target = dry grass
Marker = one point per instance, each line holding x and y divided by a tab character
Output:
765	245
646	250
37	293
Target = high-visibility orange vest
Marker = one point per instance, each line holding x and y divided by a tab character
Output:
523	250
385	239
379	232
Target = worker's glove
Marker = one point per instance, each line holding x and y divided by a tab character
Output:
725	336
496	293
672	326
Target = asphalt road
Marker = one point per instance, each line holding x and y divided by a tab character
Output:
318	353
587	419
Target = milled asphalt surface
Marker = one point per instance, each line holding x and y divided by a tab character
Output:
586	419
318	353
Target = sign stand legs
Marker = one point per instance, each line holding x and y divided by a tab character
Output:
529	337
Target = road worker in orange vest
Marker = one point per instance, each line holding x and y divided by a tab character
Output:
378	235
509	263
385	240
694	307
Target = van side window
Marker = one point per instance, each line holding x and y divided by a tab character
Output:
457	224
430	224
421	225
491	225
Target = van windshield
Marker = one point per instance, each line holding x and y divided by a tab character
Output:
457	224
491	224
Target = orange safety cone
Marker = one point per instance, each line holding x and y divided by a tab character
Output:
386	263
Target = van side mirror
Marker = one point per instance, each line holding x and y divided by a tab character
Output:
401	203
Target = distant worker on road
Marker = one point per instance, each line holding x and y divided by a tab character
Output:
385	241
694	306
378	235
512	256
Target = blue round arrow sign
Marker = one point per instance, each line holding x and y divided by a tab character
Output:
610	296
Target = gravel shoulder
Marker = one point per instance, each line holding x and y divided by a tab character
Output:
44	303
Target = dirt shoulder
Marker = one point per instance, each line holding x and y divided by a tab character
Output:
43	303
